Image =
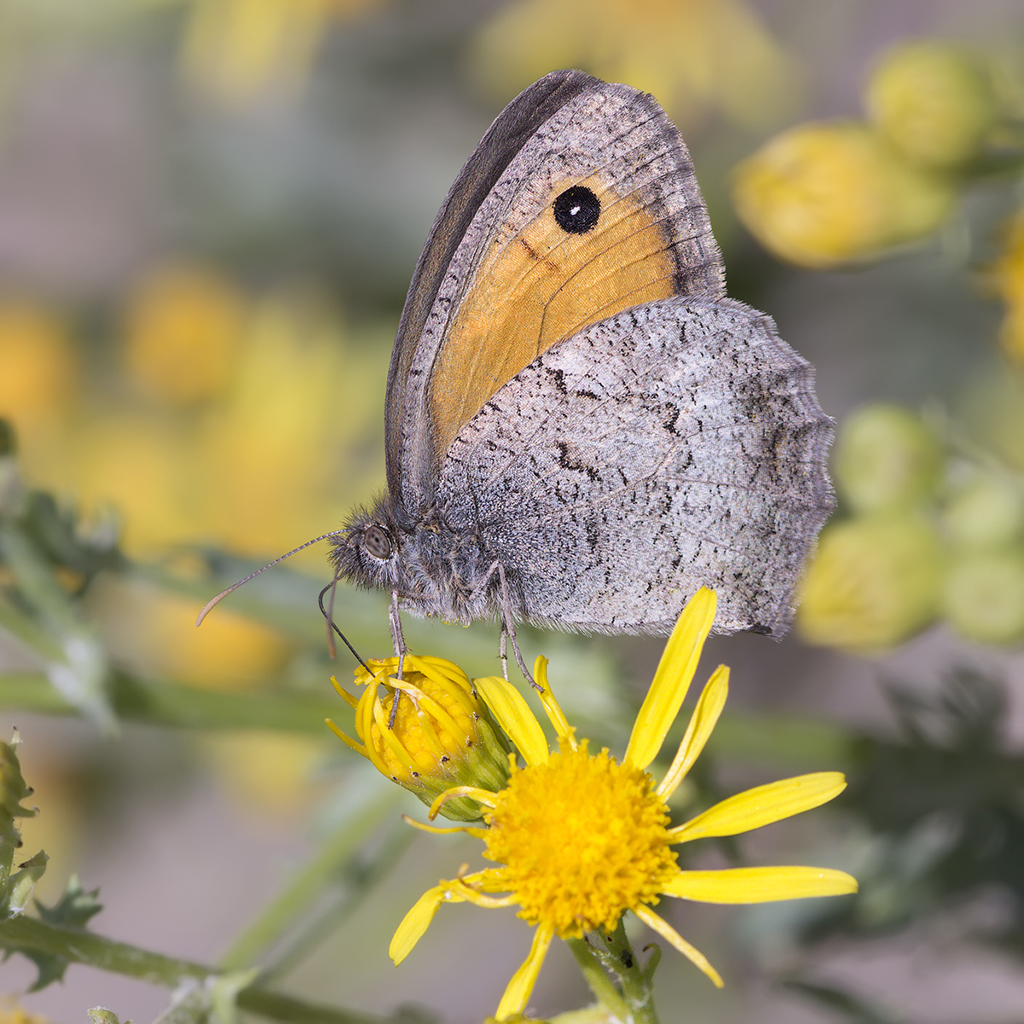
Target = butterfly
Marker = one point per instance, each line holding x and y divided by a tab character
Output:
581	428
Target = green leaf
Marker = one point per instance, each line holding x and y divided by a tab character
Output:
76	660
13	790
73	909
23	882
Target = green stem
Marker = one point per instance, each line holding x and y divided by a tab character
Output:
330	917
600	984
788	741
83	947
309	882
636	982
180	706
29	633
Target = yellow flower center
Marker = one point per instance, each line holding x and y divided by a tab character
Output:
582	840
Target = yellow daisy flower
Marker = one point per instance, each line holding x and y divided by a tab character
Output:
580	838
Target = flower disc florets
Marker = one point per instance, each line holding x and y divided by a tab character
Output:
582	839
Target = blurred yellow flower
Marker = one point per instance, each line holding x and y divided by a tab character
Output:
16	1014
579	838
140	467
873	582
694	56
1007	276
825	194
933	101
38	368
154	633
269	772
275	459
182	333
235	49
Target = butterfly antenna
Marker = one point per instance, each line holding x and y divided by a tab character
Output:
210	605
330	621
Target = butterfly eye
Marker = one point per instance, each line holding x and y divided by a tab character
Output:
577	210
377	542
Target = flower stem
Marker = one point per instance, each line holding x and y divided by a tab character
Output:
600	984
325	868
636	982
176	705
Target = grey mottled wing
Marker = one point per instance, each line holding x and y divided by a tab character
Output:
676	444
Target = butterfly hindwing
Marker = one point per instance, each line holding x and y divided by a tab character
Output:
674	445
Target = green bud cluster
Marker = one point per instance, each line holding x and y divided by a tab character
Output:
830	193
929	536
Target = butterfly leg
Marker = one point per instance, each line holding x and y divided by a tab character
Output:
503	653
508	628
398	641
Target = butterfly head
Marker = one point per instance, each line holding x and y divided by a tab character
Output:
367	549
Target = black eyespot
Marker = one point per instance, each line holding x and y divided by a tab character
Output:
377	542
577	209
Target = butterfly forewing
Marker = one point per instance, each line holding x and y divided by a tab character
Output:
597	212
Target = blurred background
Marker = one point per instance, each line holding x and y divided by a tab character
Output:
209	214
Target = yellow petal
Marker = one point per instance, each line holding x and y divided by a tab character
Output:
667	932
762	806
759	885
703	721
551	706
416	922
481	796
347	697
517	995
672	680
348	741
434	830
507	705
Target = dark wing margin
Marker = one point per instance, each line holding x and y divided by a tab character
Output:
502	141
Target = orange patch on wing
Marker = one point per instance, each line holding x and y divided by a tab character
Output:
540	285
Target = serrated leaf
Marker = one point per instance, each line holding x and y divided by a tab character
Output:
13	790
23	883
49	968
73	909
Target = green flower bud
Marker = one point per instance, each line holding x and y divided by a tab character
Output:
886	460
933	101
986	512
438	737
872	583
983	598
821	195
